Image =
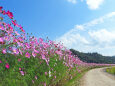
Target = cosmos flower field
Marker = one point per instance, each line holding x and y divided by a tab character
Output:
30	61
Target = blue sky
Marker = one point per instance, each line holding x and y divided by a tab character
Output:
85	25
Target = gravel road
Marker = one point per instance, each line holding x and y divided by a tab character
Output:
98	77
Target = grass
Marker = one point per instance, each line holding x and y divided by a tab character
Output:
31	67
76	80
37	67
111	70
34	67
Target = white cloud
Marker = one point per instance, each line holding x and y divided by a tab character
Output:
103	36
94	4
72	1
110	14
80	27
68	39
95	21
97	35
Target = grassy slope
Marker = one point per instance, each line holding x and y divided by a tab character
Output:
33	67
111	70
76	80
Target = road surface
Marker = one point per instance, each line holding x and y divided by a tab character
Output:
97	77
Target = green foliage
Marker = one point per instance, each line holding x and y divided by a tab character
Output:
32	67
111	70
94	57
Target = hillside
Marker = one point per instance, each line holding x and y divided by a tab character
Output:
94	57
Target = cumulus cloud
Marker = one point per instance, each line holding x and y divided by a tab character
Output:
71	39
103	36
72	1
94	4
110	14
94	36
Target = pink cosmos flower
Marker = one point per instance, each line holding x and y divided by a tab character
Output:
10	27
4	51
27	55
1	40
17	33
36	51
27	45
14	22
7	38
1	28
19	68
22	73
1	8
33	81
9	14
36	77
40	40
15	51
43	57
21	28
44	84
20	44
45	73
33	54
7	66
79	70
0	61
55	77
20	39
3	12
19	60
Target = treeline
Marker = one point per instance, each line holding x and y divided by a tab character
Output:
94	57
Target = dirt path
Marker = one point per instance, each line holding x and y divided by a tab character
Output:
97	77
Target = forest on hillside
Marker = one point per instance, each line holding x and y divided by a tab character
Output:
94	57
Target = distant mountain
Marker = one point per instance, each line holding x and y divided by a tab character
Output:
113	56
94	57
